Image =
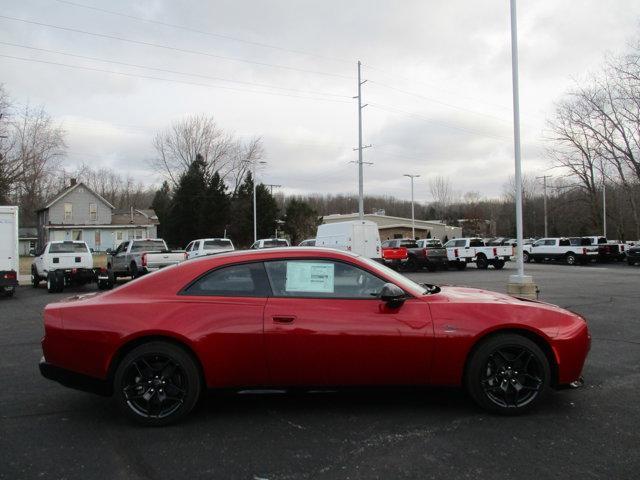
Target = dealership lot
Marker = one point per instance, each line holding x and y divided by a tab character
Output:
593	432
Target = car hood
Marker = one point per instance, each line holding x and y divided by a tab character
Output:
476	295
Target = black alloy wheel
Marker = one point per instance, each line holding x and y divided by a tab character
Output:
482	263
508	374
157	383
571	259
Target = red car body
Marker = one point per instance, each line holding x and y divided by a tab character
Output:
270	341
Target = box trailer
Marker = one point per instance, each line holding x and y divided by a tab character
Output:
9	260
359	236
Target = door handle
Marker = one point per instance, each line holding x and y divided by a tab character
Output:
283	318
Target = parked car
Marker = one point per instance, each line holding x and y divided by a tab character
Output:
607	250
462	251
269	243
316	317
208	246
419	254
134	258
633	255
9	259
358	236
560	249
63	263
394	256
309	242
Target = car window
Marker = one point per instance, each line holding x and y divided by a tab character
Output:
68	247
321	279
450	243
147	245
564	242
460	243
189	247
551	242
216	244
244	280
476	242
254	246
386	244
408	244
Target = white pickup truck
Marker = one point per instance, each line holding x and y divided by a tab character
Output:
607	249
571	251
461	251
134	258
208	246
63	263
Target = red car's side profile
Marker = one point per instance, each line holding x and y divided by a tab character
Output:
304	317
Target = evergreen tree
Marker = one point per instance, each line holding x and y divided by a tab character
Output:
184	218
267	212
300	221
216	211
161	204
242	212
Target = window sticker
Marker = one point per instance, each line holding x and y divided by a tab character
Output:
310	277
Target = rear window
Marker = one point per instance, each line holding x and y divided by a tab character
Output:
68	247
476	242
215	244
408	244
275	243
602	240
147	245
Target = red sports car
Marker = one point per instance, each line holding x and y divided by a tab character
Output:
299	317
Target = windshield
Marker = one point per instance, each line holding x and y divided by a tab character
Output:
216	244
68	247
398	278
275	243
148	245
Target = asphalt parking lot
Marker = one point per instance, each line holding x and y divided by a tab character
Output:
49	431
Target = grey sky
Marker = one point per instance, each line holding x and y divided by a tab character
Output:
453	57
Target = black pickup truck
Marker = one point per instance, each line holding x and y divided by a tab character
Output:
422	254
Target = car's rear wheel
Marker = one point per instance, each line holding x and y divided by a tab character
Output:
571	259
35	278
482	263
508	374
157	383
525	257
55	282
498	264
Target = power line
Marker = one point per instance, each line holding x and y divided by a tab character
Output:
176	49
202	32
262	85
149	77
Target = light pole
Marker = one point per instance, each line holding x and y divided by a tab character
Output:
413	218
255	209
604	208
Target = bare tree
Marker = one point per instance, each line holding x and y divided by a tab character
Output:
442	193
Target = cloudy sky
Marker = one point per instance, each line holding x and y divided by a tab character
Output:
439	80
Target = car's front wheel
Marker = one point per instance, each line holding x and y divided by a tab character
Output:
508	374
157	383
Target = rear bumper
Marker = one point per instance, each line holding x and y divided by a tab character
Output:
10	283
74	380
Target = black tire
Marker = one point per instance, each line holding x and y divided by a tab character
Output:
411	265
503	366
133	269
570	258
630	262
61	285
498	264
35	278
9	293
460	265
482	263
147	374
53	282
526	257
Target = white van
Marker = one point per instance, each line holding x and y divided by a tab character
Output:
8	249
359	236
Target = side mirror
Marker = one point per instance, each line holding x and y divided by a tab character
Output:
109	251
392	295
92	250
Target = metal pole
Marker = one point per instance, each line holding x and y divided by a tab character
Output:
360	180
255	216
546	223
413	218
516	139
604	209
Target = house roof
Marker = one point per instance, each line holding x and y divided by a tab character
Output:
63	193
140	217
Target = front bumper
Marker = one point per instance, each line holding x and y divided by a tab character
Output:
74	380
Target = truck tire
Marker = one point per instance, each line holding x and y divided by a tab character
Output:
498	264
571	258
525	257
482	263
631	261
35	278
411	265
53	282
133	269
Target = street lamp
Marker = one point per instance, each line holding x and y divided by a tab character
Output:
413	218
255	209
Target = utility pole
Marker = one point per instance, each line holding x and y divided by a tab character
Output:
413	218
255	207
360	146
519	284
604	208
544	184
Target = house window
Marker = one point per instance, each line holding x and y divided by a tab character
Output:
119	236
137	234
96	239
93	211
76	234
68	211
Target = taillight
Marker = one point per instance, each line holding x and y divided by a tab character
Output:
584	251
11	275
455	253
622	248
495	251
144	259
425	252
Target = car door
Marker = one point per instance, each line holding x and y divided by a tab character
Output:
224	310
325	326
119	259
189	250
